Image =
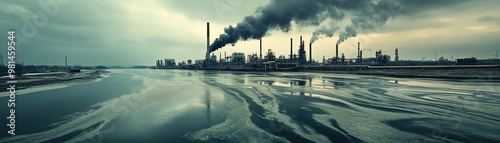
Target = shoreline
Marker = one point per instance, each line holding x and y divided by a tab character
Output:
30	80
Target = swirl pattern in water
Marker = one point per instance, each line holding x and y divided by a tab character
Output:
214	106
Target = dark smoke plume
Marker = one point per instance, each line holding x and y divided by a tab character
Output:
279	14
350	31
372	16
327	30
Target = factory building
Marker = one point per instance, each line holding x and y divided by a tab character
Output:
467	61
302	52
213	58
182	64
253	58
170	63
158	64
281	58
238	58
270	56
199	62
382	59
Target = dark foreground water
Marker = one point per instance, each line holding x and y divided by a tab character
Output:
212	106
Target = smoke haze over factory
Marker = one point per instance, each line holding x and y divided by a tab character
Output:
143	31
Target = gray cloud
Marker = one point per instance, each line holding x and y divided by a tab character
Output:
411	7
490	19
405	26
220	11
279	15
129	33
101	33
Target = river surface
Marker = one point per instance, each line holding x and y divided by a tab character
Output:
216	106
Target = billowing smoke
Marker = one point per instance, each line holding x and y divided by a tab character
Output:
373	16
279	15
350	31
327	30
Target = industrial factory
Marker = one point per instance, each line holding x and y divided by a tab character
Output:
299	61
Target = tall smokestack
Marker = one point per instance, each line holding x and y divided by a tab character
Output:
291	48
310	53
66	61
359	59
260	48
361	56
300	42
207	56
336	52
300	46
1	59
396	54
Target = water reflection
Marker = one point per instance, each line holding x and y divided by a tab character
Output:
301	83
207	104
310	85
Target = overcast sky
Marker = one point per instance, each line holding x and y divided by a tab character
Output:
132	32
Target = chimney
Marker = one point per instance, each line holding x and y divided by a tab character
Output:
359	59
300	42
396	55
300	48
66	61
260	48
336	52
291	48
1	59
361	56
302	52
207	56
310	53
